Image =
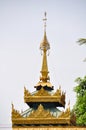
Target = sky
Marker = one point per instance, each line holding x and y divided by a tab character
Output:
21	32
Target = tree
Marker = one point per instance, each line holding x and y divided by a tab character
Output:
82	41
80	106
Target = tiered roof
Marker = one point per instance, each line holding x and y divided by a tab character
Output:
43	103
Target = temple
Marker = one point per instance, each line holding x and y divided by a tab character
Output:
44	102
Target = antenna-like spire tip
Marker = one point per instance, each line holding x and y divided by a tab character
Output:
45	13
45	19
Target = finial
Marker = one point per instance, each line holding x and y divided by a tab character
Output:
24	88
45	19
12	106
44	47
68	106
45	44
69	103
60	87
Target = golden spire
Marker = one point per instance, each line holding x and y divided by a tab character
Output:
44	47
45	19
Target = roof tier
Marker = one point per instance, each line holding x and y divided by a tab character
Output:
43	96
40	117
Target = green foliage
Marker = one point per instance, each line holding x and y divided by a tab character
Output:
82	41
80	106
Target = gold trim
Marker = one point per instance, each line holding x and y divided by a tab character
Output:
42	116
25	121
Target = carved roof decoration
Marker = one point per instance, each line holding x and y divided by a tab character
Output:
57	93
26	92
40	113
42	92
65	114
15	113
41	116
